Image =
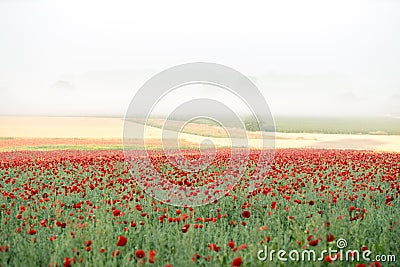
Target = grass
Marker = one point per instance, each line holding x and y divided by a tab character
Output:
374	125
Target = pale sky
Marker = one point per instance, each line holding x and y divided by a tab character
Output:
307	57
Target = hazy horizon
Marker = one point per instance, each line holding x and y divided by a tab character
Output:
337	59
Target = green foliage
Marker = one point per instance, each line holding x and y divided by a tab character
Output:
114	189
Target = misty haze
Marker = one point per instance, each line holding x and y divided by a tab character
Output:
339	61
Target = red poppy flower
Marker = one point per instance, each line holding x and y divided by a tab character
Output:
115	253
32	232
185	228
116	213
237	262
140	254
330	238
313	242
122	240
60	224
87	243
195	257
231	244
68	262
4	248
152	254
329	259
246	214
214	247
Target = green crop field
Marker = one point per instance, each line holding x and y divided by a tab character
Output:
361	125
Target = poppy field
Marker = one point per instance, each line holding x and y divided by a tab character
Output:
83	208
